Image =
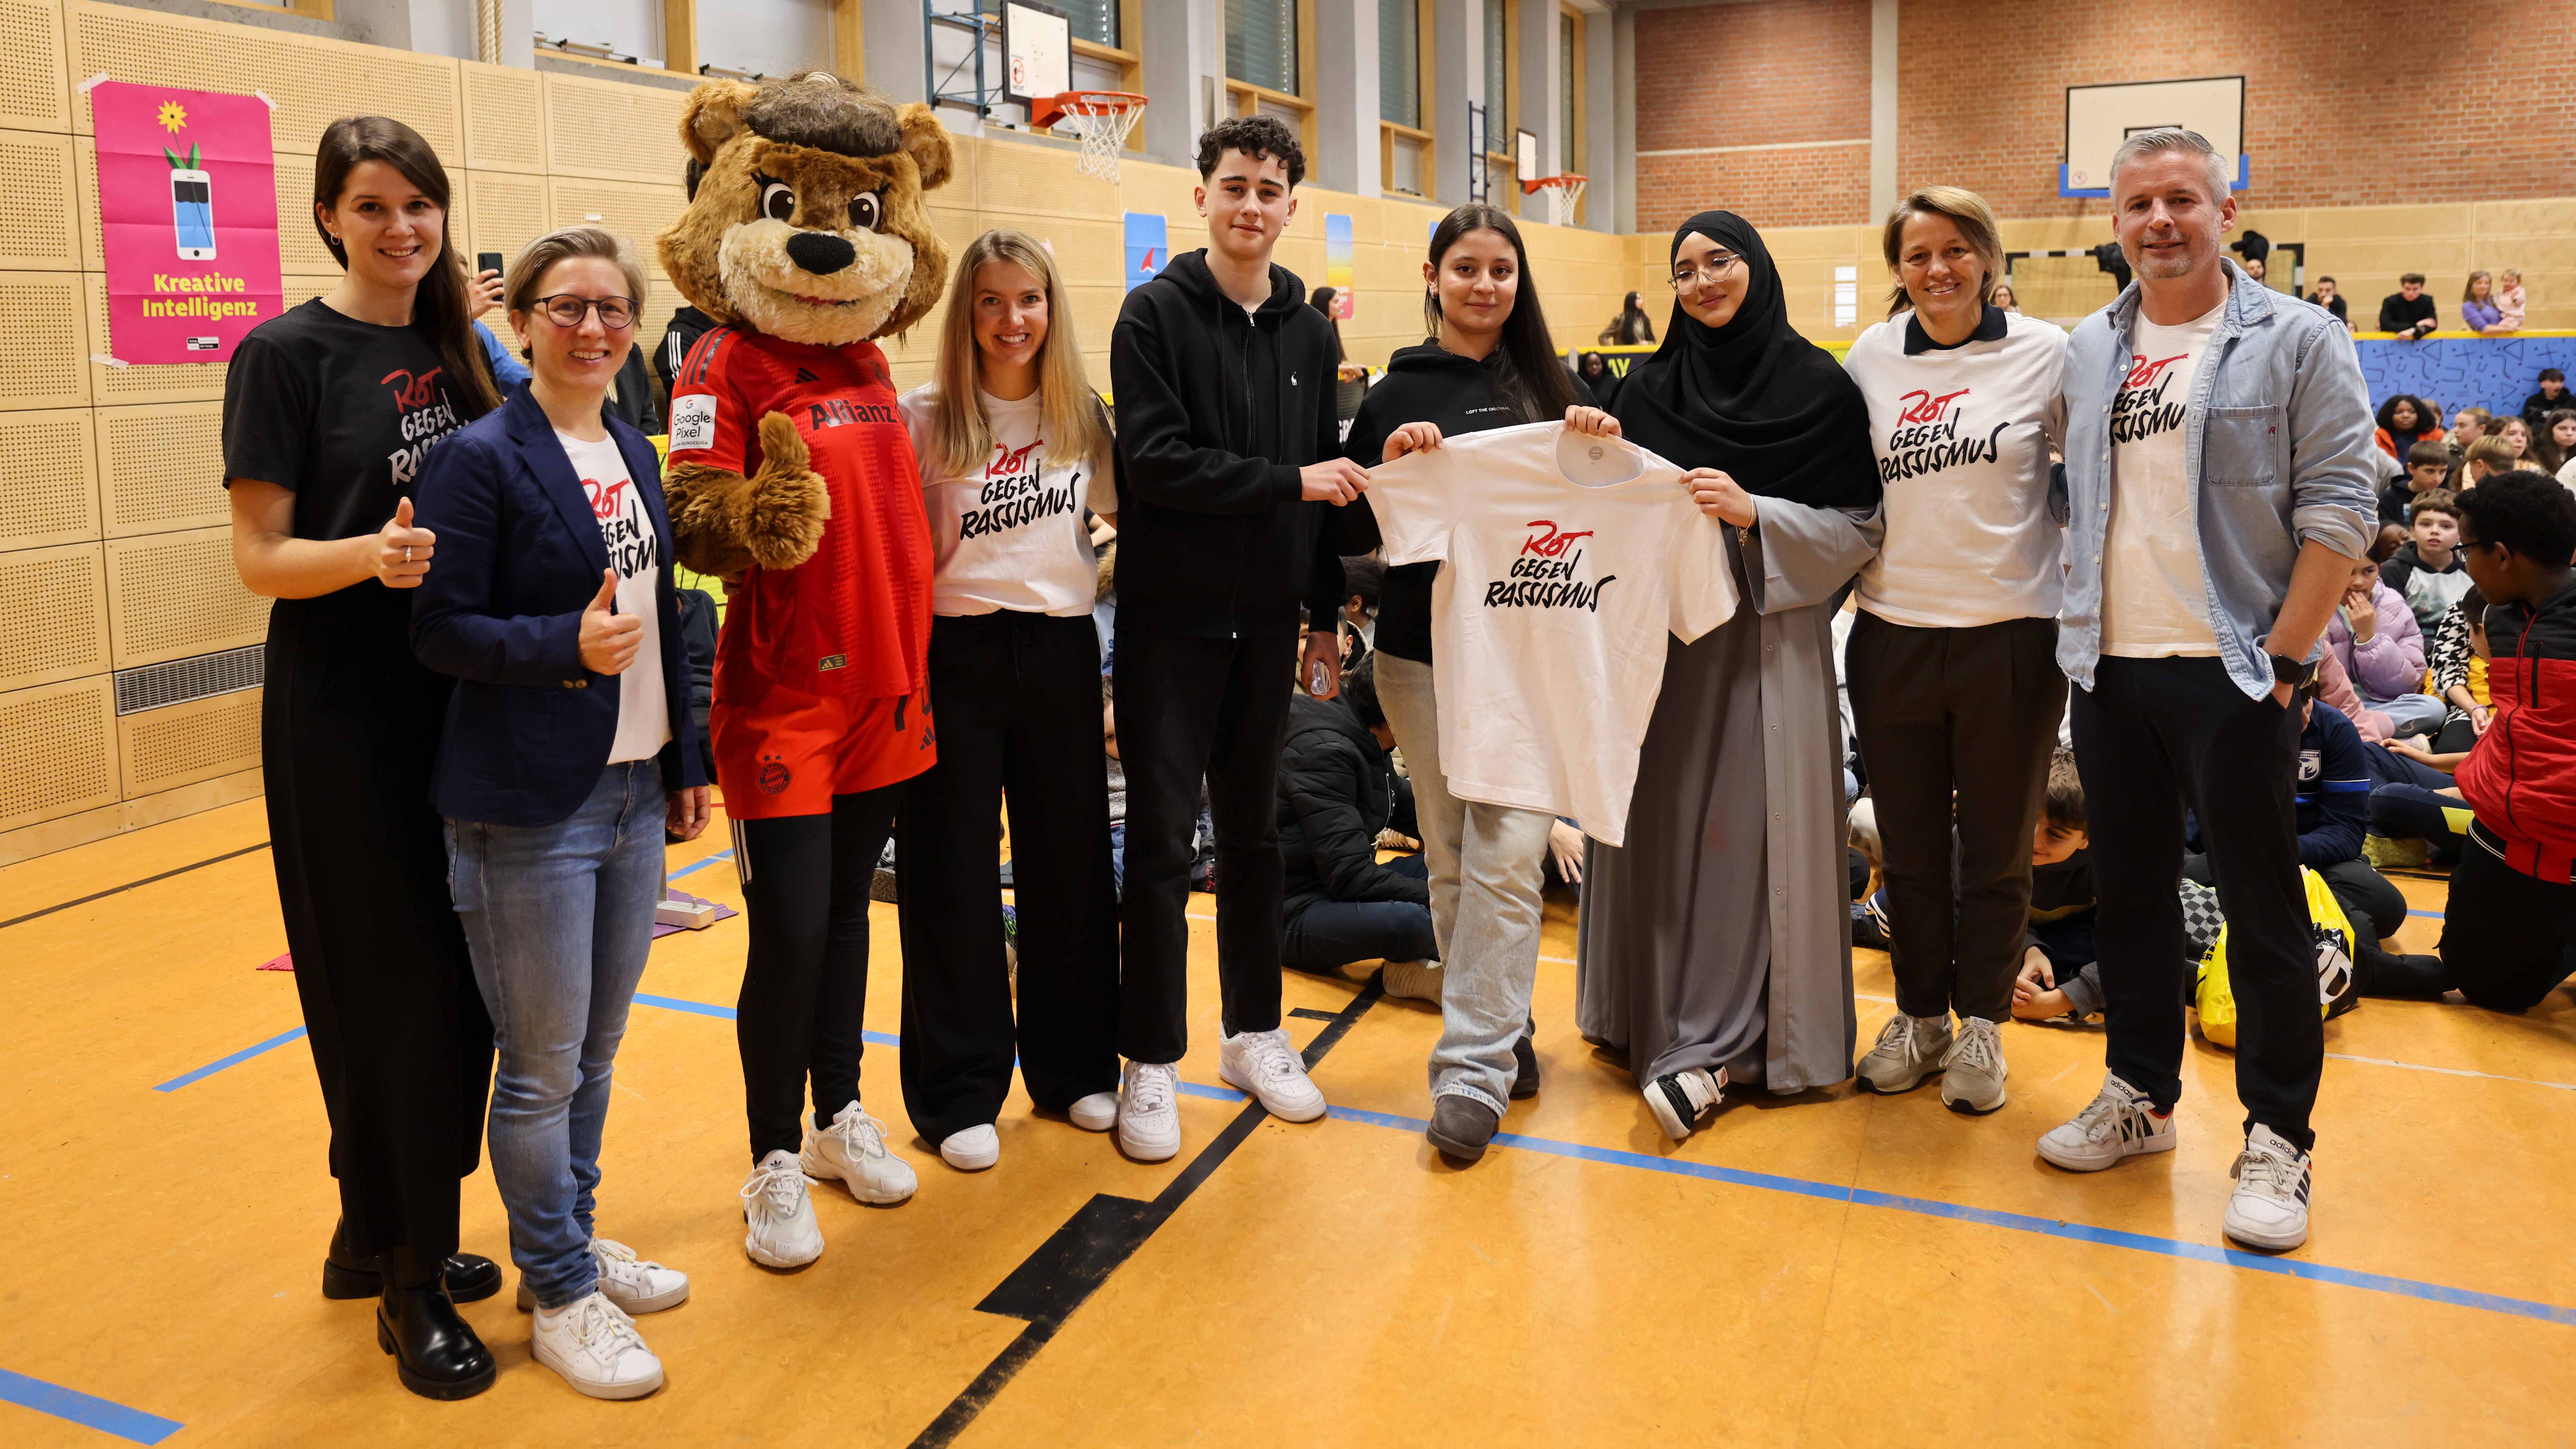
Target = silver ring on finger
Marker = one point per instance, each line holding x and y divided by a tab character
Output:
406	553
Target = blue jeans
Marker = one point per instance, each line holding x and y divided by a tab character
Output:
559	918
2410	714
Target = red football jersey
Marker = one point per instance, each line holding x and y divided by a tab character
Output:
853	620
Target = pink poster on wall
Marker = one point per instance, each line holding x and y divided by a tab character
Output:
187	199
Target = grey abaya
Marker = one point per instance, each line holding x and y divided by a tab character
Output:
1720	935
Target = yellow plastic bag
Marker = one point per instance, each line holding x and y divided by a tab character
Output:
2328	931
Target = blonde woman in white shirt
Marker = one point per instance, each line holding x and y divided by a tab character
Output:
1952	660
1014	446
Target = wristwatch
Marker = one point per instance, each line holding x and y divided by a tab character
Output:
2295	673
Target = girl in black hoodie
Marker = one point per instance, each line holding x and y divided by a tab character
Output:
1487	365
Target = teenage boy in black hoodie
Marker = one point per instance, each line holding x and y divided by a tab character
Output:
1229	465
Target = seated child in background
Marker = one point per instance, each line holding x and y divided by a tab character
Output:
2416	813
1338	794
2426	572
2374	636
2057	947
2428	466
2457	660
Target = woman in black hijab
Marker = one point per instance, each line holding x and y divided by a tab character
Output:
1715	946
1594	371
1630	327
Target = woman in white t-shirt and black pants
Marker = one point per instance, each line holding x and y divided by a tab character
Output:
569	747
1014	445
1953	661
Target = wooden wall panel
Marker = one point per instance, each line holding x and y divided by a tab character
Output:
40	227
57	750
175	595
161	468
180	744
613	131
53	615
172	382
35	92
46	364
48	478
505	118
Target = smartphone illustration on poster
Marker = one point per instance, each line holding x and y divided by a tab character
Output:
192	213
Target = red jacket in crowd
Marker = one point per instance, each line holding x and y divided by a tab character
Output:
2521	778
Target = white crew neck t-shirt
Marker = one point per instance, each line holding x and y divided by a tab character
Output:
1009	534
1961	435
2155	599
643	707
1567	561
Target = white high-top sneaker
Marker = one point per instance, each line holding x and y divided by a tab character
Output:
1264	1064
853	1149
779	1230
594	1345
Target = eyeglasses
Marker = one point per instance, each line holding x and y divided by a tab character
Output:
1714	272
615	313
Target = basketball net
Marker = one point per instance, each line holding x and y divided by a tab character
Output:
1100	122
1562	194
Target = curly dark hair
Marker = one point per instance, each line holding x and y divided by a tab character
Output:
2525	511
1256	137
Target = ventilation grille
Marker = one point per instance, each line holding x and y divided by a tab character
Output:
614	131
504	119
45	364
314	82
190	742
504	213
161	468
36	230
53	615
176	595
31	67
181	680
57	755
47	495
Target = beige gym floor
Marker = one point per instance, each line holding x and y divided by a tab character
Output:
1832	1269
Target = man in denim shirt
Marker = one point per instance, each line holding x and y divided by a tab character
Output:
2219	472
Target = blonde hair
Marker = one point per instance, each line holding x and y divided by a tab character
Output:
2492	451
960	436
519	284
1967	211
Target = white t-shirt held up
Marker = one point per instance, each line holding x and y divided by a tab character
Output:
1568	560
643	707
1009	534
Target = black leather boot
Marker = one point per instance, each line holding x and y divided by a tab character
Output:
1525	1069
471	1277
436	1352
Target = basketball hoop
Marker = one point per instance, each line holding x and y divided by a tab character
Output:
1099	120
1562	193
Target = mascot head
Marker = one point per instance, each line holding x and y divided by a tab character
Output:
808	222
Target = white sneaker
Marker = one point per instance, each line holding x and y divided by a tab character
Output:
1149	1111
634	1284
1908	1049
2270	1206
779	1230
1680	1099
853	1149
1412	980
594	1345
1973	1070
1264	1064
2119	1124
973	1149
1095	1113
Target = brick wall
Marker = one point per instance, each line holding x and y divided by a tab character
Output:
1757	74
1981	95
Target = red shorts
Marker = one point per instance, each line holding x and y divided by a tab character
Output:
793	752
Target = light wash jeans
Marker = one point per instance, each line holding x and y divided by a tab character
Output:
559	918
1485	879
2410	714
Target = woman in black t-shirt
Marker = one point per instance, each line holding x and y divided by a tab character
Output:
328	413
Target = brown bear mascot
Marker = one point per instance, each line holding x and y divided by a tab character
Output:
792	476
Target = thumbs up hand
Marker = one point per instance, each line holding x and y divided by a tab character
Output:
608	639
402	551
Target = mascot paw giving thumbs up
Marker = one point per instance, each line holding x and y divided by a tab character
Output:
792	475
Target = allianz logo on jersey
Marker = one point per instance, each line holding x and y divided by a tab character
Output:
1548	573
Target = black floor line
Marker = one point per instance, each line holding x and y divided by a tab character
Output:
130	885
1104	1232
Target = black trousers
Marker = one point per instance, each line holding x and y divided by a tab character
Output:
1018	701
2508	939
2152	737
401	1042
804	994
1192	708
1326	935
1970	713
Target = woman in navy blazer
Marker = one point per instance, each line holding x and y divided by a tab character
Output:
569	747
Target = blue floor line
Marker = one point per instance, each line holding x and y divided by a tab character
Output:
236	1059
2428	915
704	1008
73	1406
2015	1222
695	866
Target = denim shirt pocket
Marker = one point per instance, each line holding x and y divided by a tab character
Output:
2246	447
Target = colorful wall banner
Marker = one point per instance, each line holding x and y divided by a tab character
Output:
187	197
1338	271
2495	373
1147	250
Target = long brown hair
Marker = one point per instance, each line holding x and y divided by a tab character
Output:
961	437
1531	381
439	308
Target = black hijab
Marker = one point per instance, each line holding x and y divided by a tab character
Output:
1752	398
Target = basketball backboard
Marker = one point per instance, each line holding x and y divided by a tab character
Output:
2099	118
1037	51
